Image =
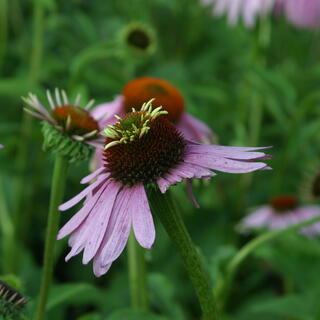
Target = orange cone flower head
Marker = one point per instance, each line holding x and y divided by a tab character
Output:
140	90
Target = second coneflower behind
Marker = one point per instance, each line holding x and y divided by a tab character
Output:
142	149
282	212
139	90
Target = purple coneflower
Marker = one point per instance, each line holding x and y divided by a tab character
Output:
68	118
302	13
139	90
283	211
144	148
248	10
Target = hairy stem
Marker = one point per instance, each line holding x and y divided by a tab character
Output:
163	206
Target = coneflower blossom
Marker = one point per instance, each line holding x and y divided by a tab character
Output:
141	149
11	302
139	90
302	13
283	211
248	10
68	118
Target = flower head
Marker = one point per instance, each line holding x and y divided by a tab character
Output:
282	212
248	10
143	148
11	302
67	127
139	38
139	90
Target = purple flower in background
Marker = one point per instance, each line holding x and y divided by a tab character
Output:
139	90
143	148
302	13
248	10
282	212
1	146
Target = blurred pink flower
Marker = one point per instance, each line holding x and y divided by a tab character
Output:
142	149
302	13
248	10
282	212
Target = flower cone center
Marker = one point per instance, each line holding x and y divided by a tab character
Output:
137	91
75	119
283	203
147	158
139	38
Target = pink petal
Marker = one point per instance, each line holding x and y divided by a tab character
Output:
97	222
92	175
67	205
226	152
118	229
194	129
99	269
104	113
222	164
191	195
163	184
142	220
82	214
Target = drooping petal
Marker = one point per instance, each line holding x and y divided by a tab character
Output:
191	195
142	220
92	175
73	201
82	214
118	230
97	222
194	129
98	268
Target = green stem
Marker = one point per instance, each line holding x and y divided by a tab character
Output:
163	206
6	227
225	284
3	29
137	275
57	190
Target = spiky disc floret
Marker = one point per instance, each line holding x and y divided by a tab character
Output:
143	147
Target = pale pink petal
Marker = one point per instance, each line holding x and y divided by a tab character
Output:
99	269
104	113
194	129
223	164
191	195
92	175
226	153
142	220
163	184
82	214
118	229
97	222
73	201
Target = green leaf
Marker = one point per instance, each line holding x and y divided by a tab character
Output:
71	292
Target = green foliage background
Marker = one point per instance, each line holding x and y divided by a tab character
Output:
249	94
